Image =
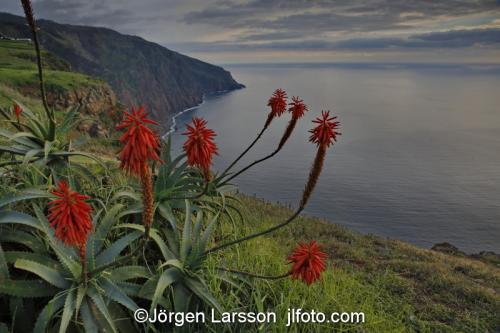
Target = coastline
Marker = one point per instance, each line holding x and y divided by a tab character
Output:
173	126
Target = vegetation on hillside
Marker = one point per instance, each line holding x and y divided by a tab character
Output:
85	243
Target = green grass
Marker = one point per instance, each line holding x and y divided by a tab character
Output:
18	70
399	287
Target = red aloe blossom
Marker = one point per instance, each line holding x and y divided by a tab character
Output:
278	104
141	144
325	133
297	107
18	111
308	262
200	145
69	214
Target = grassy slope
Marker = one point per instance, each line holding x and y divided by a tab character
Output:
19	74
18	69
400	287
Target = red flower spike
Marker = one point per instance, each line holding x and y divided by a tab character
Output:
325	133
297	107
18	111
308	262
200	145
141	144
69	214
277	102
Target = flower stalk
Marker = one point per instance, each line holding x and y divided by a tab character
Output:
297	109
324	134
277	103
83	262
30	18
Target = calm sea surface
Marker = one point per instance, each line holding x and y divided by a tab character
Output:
418	159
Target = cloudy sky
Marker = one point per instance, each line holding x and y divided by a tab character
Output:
242	31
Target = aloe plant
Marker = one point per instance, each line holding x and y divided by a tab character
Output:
58	272
36	140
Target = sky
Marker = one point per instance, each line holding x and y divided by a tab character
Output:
288	31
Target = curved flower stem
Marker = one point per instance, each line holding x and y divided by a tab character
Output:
286	135
30	18
147	199
256	276
249	166
246	150
312	180
258	234
83	261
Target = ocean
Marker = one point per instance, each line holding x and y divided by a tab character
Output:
418	159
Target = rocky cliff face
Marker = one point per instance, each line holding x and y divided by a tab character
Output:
140	72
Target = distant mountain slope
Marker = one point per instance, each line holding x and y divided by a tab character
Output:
140	72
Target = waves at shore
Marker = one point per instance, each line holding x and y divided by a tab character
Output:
173	126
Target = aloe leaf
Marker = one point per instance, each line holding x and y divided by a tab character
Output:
114	250
107	222
13	256
12	150
168	277
125	273
153	233
30	154
4	269
80	294
68	121
80	153
131	289
202	292
133	209
27	288
197	226
7	217
186	233
69	309
126	194
166	212
48	274
26	139
207	233
24	195
181	297
47	313
117	295
87	318
101	306
24	238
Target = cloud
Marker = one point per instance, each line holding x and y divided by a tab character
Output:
340	15
233	26
438	40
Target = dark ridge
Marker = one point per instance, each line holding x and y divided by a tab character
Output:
139	71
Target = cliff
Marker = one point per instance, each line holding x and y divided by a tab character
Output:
19	82
140	72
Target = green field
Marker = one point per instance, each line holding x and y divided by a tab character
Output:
19	72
